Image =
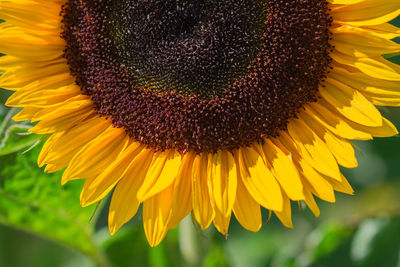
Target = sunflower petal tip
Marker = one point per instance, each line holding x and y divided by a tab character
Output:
40	163
112	229
256	228
64	181
9	103
112	225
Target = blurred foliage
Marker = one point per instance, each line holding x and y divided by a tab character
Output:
37	202
12	138
42	223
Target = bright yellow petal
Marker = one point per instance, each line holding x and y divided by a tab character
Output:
285	216
341	149
334	123
284	170
368	12
312	148
97	155
162	172
203	209
64	148
224	182
310	201
258	179
124	202
320	186
247	210
221	222
182	197
97	188
351	103
156	215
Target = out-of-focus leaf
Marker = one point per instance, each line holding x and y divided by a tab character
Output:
158	256
36	202
376	243
252	249
380	199
4	94
22	249
328	245
129	248
13	135
215	257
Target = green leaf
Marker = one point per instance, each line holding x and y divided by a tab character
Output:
215	257
36	202
13	135
376	243
328	245
129	248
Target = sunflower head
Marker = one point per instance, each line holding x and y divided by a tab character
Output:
205	107
198	76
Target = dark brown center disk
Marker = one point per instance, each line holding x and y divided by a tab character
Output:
198	75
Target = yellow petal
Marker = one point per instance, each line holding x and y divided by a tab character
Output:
17	42
156	215
224	181
351	103
247	210
45	98
62	118
20	13
366	84
285	216
342	186
47	147
284	170
376	67
182	198
344	2
335	123
162	172
71	141
312	205
358	42
341	149
25	77
97	155
369	12
258	179
222	221
315	181
124	203
97	188
386	130
312	148
385	30
202	207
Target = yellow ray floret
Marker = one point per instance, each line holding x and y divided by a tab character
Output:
300	163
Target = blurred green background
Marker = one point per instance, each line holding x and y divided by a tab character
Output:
42	223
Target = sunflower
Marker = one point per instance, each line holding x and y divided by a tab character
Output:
206	107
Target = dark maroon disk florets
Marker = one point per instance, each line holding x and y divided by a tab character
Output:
201	75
